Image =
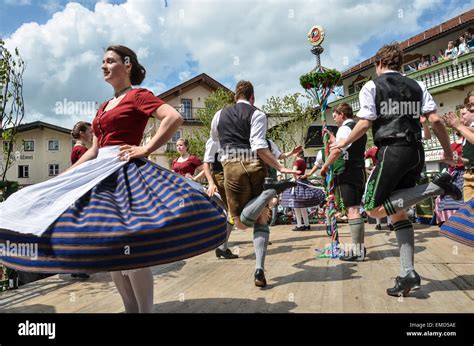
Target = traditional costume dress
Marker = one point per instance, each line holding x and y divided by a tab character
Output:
77	152
446	206
305	194
187	166
107	214
460	226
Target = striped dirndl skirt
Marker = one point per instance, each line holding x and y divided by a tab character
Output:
460	226
448	202
302	196
138	216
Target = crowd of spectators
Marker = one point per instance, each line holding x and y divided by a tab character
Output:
463	45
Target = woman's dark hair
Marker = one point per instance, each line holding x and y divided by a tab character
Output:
138	72
81	126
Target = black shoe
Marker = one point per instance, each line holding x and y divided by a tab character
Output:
270	243
279	186
352	257
297	229
378	227
227	254
411	282
390	227
260	280
445	181
80	276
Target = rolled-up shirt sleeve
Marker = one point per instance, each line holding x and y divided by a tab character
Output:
211	150
258	131
274	149
214	123
342	133
367	102
428	104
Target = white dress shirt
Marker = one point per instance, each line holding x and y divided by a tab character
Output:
258	130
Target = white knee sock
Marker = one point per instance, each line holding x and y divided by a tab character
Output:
304	212
224	246
298	217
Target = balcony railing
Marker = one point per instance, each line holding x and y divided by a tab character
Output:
189	114
446	72
437	78
352	100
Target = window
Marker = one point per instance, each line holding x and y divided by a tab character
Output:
6	146
28	145
23	171
187	108
53	169
53	144
176	136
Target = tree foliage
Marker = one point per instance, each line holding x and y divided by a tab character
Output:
290	117
12	108
198	137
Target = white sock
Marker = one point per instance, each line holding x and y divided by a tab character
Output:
298	217
304	212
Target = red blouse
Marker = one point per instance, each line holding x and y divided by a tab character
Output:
188	166
371	153
125	123
300	165
77	152
457	147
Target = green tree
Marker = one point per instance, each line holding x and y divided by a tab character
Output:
12	111
289	119
198	137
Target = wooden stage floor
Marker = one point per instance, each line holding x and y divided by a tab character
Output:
297	280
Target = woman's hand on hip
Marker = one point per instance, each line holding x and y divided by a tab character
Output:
128	152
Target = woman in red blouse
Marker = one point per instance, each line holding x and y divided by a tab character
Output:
303	196
82	133
301	214
114	210
185	165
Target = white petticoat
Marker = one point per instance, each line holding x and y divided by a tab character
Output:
34	208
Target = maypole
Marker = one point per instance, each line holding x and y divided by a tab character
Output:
319	84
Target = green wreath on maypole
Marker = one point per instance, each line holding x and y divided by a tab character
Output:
319	83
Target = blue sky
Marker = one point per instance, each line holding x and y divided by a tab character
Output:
260	40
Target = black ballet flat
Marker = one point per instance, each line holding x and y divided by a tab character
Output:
226	254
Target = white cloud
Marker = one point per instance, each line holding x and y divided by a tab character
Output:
51	6
262	41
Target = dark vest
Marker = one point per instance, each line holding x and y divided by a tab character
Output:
216	166
234	126
272	172
398	102
468	153
354	156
